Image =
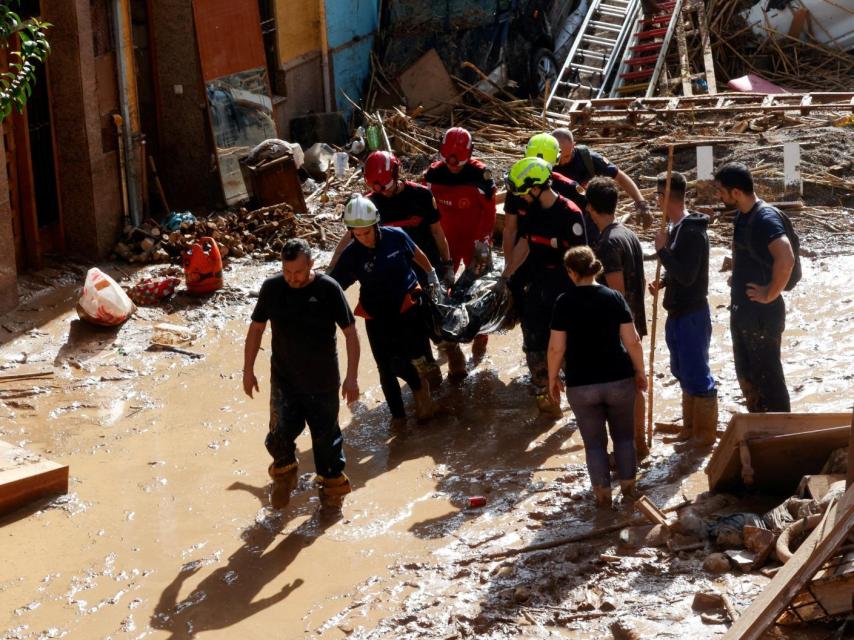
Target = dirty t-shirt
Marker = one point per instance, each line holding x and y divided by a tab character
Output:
619	250
591	317
761	226
305	355
576	170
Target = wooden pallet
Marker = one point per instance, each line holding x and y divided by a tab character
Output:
26	476
773	451
610	111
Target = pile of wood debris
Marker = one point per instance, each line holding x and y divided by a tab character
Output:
261	233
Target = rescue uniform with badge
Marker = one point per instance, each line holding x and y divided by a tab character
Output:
465	193
389	299
545	146
546	232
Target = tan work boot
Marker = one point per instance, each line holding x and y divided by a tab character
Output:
425	408
456	362
478	347
284	481
602	495
428	370
629	490
687	418
547	406
705	420
332	491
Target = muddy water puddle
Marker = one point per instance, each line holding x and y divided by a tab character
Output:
166	532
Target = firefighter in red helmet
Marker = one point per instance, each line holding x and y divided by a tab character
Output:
465	192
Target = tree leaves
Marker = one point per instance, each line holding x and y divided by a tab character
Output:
16	83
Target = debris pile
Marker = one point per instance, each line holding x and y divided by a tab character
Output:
783	58
261	233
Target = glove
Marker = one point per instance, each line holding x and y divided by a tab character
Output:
448	274
642	211
432	278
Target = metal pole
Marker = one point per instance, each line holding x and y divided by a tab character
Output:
324	57
128	103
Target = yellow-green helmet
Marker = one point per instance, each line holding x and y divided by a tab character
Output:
360	212
527	173
545	146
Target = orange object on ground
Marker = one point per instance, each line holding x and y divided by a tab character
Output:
203	266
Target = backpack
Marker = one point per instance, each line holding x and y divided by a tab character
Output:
794	240
586	159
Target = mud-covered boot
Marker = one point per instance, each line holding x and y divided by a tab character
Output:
705	420
428	370
284	481
332	491
687	418
629	490
547	406
425	408
397	423
478	347
602	495
456	362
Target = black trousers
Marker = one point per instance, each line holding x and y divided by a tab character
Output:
757	333
289	413
539	296
395	342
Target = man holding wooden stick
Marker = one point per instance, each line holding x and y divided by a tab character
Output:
684	254
622	257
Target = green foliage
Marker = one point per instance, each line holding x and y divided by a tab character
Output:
32	49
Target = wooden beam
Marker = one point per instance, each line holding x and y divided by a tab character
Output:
850	479
684	64
791	578
25	476
708	60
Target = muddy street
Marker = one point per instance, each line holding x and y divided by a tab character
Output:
166	532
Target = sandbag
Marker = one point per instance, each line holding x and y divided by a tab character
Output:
102	301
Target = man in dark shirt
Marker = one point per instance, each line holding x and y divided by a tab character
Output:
762	261
579	163
684	254
621	255
304	307
548	226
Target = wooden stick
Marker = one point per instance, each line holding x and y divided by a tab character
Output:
159	186
8	377
651	383
558	542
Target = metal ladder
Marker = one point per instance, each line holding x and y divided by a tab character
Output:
645	57
594	54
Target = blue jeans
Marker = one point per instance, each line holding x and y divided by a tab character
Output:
593	406
688	337
289	413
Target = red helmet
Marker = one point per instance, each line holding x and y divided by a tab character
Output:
456	146
381	170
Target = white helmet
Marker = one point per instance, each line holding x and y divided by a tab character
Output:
360	212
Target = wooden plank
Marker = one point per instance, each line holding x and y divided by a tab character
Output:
651	512
705	163
705	43
26	476
791	578
850	478
427	83
724	467
684	65
792	182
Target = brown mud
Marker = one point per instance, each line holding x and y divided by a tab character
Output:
166	532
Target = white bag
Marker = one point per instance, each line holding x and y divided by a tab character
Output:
103	301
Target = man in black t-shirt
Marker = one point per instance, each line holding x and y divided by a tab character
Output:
621	255
579	163
762	261
304	308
